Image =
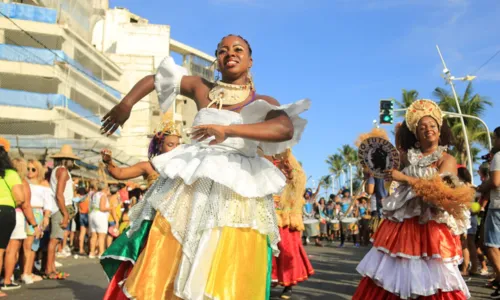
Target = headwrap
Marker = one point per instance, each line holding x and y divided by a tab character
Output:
422	108
5	144
164	129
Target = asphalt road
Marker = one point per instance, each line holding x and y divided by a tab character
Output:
335	278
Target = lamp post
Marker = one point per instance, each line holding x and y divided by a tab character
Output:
350	179
449	79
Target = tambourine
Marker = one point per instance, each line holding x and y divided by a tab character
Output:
378	155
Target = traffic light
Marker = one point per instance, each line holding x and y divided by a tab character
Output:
386	111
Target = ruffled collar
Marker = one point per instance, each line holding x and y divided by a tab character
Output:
416	158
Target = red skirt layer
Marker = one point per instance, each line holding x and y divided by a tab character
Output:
114	290
368	290
292	265
411	239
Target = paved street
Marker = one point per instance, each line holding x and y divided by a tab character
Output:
335	278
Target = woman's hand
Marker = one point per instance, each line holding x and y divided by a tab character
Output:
45	223
203	132
106	155
116	117
38	232
395	175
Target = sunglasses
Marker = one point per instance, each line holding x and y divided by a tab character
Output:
32	170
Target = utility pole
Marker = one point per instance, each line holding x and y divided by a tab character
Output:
449	79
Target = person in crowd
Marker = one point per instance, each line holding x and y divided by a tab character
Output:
84	209
165	139
41	205
24	214
125	220
61	184
469	248
321	215
292	266
492	222
98	220
484	175
231	123
12	195
311	223
115	206
364	219
432	204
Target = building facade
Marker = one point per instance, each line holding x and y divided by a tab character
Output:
65	63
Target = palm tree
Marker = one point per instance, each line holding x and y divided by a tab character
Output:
335	165
349	155
470	104
407	98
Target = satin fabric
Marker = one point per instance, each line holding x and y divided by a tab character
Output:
239	266
269	269
154	273
125	248
367	289
114	290
413	240
292	265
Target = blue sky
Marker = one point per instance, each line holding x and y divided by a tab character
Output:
345	55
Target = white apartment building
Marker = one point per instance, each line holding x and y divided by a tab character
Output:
65	63
138	47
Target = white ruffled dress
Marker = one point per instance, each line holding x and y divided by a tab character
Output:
417	249
203	189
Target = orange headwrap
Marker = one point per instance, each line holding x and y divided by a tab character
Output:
5	144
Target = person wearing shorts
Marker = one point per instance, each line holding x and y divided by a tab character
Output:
98	219
492	222
11	195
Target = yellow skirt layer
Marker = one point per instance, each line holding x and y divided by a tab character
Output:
238	265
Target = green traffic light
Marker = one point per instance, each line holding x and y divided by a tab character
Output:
387	118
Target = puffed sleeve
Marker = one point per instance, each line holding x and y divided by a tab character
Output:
168	82
257	111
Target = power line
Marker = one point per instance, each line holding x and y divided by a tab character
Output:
487	62
57	55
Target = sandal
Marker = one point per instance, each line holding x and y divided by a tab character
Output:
55	276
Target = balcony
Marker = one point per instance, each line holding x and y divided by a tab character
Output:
29	12
50	57
16	98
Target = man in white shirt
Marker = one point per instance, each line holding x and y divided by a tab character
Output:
492	223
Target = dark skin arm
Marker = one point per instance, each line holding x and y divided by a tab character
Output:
277	126
143	169
446	164
62	177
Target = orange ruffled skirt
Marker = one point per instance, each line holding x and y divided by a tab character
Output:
410	260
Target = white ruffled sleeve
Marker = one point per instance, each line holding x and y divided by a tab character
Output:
257	111
168	82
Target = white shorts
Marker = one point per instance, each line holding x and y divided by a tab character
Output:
19	232
73	225
98	222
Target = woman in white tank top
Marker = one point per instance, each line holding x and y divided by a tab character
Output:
98	219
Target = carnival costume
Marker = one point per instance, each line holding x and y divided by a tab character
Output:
292	265
210	218
417	249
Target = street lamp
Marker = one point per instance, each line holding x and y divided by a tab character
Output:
350	179
449	79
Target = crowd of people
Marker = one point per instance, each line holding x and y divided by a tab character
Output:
238	184
46	214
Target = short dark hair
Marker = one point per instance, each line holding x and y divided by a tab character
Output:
5	163
464	175
408	139
497	132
